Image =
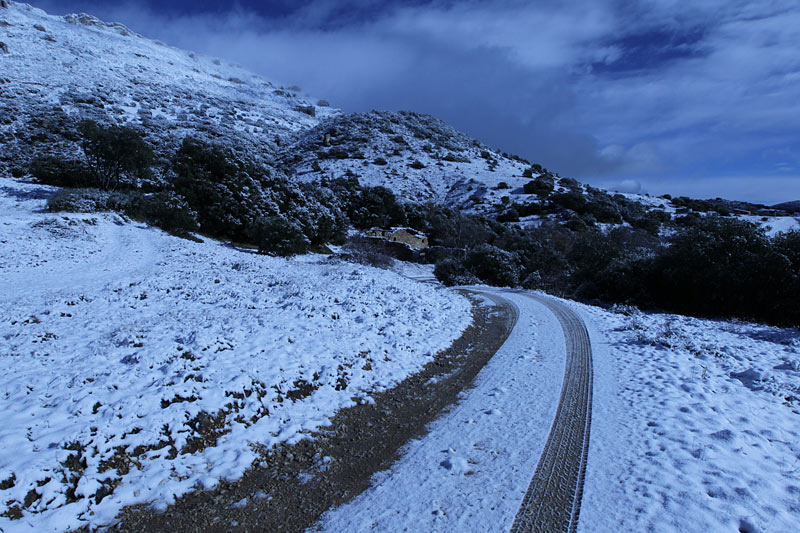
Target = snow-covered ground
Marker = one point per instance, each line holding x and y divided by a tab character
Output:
774	225
695	427
138	366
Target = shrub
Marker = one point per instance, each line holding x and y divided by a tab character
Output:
114	153
376	207
572	200
166	210
452	271
380	161
278	236
577	224
526	210
571	184
454	158
87	201
307	109
493	265
364	251
721	266
52	170
541	186
510	215
336	152
417	164
503	185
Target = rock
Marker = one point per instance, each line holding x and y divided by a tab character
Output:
3	3
39	27
4	46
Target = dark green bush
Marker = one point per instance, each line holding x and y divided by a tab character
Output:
277	236
114	153
60	172
376	207
541	186
493	265
87	200
165	209
509	215
572	200
452	271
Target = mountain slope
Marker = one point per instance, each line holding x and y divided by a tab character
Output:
62	69
57	71
417	156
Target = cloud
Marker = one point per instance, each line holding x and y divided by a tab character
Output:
628	186
601	90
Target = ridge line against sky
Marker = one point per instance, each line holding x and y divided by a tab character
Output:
701	99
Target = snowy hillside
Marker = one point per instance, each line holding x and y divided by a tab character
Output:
417	156
61	69
58	71
138	366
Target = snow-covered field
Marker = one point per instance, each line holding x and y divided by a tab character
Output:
695	427
138	366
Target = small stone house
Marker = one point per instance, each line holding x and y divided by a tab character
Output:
409	236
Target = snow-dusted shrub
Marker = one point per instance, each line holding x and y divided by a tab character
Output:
509	215
452	271
87	201
277	236
533	281
541	186
376	207
307	109
625	309
52	170
165	209
366	251
572	200
114	153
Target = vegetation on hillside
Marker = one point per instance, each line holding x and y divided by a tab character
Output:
594	246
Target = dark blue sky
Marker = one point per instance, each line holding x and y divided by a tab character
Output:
698	98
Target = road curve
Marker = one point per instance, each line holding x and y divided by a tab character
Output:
552	502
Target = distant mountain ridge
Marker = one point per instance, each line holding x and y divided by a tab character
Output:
792	207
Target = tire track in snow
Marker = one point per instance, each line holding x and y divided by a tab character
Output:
552	502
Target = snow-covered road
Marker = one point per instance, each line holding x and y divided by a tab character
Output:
471	471
553	500
694	428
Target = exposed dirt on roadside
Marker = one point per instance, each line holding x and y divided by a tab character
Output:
291	486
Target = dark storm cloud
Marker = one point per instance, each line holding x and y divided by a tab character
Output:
657	92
